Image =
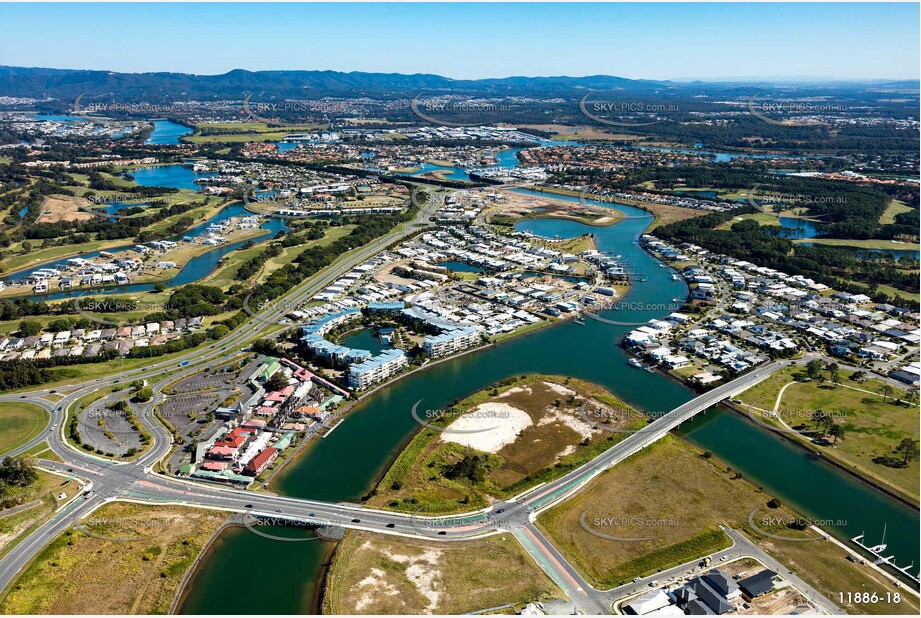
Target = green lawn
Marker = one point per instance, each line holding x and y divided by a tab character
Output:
894	208
873	421
863	244
224	275
19	423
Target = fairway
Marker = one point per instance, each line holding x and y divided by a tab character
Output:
19	423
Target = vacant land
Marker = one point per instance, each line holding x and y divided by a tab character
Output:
679	496
19	423
863	244
62	208
874	421
373	574
895	207
126	559
31	506
500	441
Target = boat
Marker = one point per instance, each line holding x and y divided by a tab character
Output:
676	300
676	278
579	321
634	363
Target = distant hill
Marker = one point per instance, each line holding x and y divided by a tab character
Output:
65	83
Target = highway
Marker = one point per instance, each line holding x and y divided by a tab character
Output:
135	480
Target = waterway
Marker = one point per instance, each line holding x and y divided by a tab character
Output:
176	176
271	578
460	267
795	229
167	133
179	177
346	465
364	339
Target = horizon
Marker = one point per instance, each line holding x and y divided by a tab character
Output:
798	79
655	41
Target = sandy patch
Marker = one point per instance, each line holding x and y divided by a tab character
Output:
375	583
559	389
515	390
423	573
488	427
55	209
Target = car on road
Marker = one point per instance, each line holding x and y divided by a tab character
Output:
500	511
248	506
391	525
442	532
278	510
654	583
356	521
70	469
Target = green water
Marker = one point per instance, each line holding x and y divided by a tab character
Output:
346	465
364	339
246	573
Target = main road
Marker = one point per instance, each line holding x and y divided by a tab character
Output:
135	480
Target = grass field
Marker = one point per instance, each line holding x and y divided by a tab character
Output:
895	207
863	244
45	493
673	482
553	440
874	427
224	275
374	574
19	423
128	559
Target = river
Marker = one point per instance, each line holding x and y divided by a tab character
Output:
167	133
178	177
346	465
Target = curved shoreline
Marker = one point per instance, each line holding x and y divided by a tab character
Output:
873	483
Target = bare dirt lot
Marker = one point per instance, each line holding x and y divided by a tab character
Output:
56	209
373	574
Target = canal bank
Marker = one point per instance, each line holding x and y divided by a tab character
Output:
345	466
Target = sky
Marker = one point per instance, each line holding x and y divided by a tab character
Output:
468	41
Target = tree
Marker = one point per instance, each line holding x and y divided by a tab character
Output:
277	382
909	450
886	392
145	394
836	431
29	328
17	472
835	376
858	376
814	369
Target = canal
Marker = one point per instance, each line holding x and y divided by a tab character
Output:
346	465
